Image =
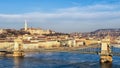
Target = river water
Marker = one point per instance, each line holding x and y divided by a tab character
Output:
57	60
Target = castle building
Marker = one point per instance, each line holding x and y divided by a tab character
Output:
36	30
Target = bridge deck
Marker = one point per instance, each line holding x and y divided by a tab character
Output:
93	49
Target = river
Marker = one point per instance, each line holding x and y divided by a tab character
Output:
57	60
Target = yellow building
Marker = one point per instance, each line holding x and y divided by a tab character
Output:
49	44
6	45
91	42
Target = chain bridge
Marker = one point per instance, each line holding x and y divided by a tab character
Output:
105	50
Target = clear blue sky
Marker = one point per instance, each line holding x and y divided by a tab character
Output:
61	15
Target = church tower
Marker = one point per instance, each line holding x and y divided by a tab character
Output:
25	27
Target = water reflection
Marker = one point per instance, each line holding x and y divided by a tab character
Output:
18	61
106	65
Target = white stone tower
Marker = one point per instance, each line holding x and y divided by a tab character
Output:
25	27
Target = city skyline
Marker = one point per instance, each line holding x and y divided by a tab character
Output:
61	15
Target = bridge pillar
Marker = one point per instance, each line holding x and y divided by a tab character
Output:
105	55
18	52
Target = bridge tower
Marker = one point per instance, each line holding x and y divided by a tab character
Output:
18	45
105	55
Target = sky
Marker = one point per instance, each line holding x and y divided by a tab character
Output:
60	15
